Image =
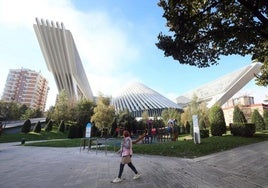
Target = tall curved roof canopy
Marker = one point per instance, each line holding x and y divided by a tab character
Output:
62	59
221	90
138	98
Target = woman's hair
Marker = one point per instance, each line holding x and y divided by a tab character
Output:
126	134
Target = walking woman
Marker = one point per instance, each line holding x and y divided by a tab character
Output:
126	153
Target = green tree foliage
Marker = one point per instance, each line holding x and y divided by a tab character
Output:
258	120
104	114
32	113
217	121
202	124
170	113
186	115
238	115
203	115
114	126
145	116
127	121
188	127
37	127
195	108
50	112
22	109
202	31
61	127
265	118
9	110
14	111
61	107
26	127
84	111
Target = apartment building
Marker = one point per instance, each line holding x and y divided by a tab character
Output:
27	87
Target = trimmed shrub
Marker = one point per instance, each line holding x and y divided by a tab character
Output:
37	127
243	129
73	131
217	121
238	116
257	119
26	127
188	127
48	126
265	118
204	133
61	126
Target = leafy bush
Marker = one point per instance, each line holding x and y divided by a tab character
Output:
243	129
26	127
238	116
258	120
217	121
204	133
48	126
61	126
37	127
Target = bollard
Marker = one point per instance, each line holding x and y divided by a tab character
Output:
22	141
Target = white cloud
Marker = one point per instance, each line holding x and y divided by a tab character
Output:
105	49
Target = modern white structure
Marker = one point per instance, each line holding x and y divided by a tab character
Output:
137	98
221	90
62	59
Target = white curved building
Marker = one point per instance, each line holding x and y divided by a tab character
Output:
62	59
138	98
221	90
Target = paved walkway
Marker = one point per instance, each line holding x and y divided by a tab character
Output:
38	167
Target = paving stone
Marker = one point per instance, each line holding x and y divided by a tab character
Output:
43	167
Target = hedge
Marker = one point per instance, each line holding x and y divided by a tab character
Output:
243	129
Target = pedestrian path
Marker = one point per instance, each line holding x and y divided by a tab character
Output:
46	167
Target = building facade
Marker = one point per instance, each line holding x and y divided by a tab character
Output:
27	87
246	105
62	59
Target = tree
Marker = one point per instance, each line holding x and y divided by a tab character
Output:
61	107
104	114
257	119
265	118
126	120
84	110
217	121
205	30
170	113
145	116
238	115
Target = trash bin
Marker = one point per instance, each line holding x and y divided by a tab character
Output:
23	141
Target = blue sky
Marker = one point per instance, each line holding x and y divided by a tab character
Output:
116	43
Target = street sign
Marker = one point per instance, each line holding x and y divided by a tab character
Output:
88	130
196	130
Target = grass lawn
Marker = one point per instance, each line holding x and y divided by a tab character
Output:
188	149
181	148
32	136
